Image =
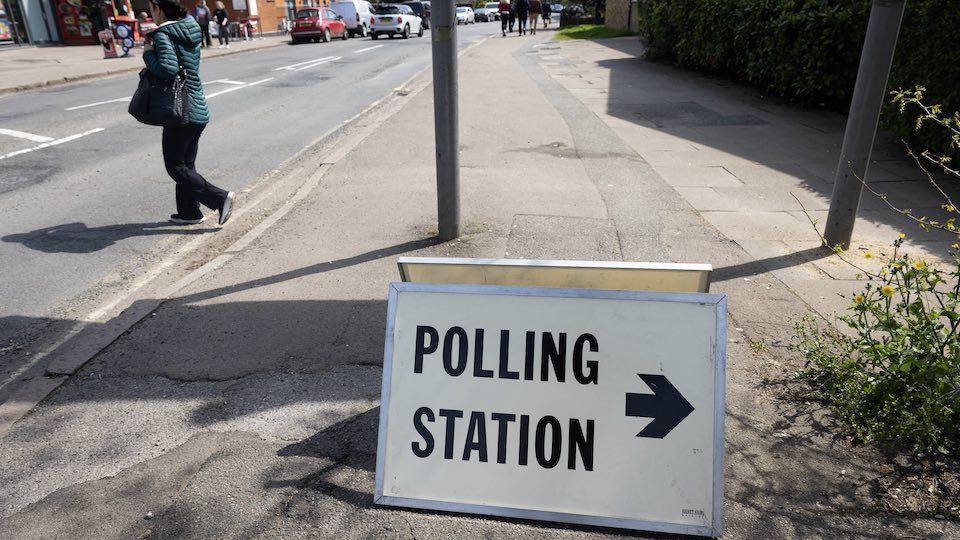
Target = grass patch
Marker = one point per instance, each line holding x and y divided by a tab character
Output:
591	31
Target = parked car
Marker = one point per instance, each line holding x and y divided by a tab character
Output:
483	14
422	9
396	19
494	8
318	24
356	15
465	15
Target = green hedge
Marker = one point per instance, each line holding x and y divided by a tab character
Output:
808	50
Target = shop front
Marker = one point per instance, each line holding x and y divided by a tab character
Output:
12	25
80	21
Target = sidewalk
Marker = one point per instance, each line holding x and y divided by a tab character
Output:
246	405
25	68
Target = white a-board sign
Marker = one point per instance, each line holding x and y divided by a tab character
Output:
584	406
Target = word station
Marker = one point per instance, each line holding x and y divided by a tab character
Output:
548	443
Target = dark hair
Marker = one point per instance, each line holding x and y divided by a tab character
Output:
171	9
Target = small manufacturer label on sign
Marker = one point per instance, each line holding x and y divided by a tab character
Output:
582	406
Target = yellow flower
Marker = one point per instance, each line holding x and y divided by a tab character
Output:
887	290
858	299
902	236
919	265
868	255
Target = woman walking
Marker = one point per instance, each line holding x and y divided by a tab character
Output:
175	45
223	22
504	9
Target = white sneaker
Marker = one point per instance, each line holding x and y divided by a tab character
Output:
175	218
228	205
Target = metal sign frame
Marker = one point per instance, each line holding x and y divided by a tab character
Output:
652	269
715	529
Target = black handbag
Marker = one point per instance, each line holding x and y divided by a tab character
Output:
161	102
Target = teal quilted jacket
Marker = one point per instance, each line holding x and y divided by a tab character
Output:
180	38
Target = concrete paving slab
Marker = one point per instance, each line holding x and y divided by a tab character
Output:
770	198
563	238
763	225
711	176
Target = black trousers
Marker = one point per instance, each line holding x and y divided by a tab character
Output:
504	21
522	21
223	35
179	154
205	35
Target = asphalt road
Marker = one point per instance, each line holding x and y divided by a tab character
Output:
88	211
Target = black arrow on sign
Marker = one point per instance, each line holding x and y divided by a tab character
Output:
665	405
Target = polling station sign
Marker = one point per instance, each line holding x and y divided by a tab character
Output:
594	407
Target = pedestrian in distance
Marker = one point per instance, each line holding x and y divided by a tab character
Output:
202	15
547	13
504	9
535	8
522	8
223	21
513	14
175	46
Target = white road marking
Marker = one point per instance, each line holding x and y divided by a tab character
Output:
25	135
124	99
52	143
367	49
215	94
292	67
118	100
225	81
332	59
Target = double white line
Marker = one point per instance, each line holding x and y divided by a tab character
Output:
309	64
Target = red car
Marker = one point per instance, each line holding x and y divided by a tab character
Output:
318	23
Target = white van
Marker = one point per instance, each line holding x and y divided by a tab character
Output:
356	14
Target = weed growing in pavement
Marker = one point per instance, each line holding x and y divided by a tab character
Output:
889	367
896	375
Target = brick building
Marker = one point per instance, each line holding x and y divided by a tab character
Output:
78	21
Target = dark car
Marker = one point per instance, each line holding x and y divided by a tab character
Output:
422	9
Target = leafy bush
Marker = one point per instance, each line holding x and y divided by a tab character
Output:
808	50
927	57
